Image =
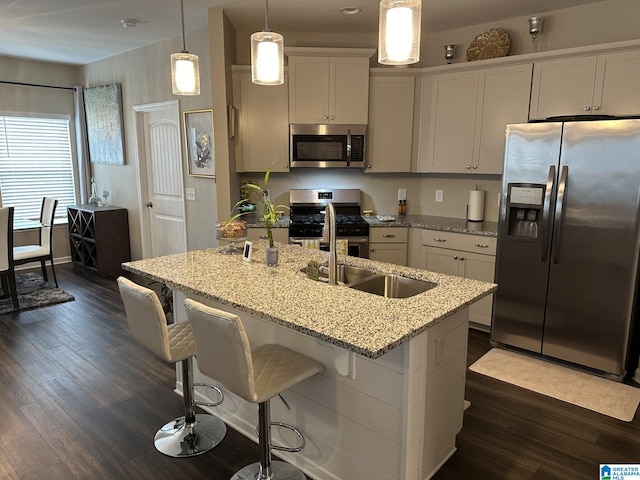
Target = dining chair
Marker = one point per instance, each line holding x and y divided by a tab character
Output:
7	271
44	250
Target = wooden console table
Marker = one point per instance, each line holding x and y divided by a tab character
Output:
99	238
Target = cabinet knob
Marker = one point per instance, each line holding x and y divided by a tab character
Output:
436	239
475	166
371	250
332	117
587	108
286	166
462	259
369	166
263	237
326	117
149	204
388	235
481	245
468	167
455	257
596	108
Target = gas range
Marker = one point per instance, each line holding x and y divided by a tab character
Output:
307	217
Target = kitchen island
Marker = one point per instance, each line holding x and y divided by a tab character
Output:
390	402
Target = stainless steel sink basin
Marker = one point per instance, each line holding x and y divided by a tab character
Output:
392	286
346	273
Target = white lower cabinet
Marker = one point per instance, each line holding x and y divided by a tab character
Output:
388	244
462	255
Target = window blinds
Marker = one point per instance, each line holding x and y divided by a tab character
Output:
35	162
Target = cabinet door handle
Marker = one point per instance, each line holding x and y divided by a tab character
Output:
475	166
149	204
332	117
587	108
436	239
596	108
263	237
388	235
455	257
462	259
468	167
482	245
371	250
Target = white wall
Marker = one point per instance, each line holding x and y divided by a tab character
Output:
145	75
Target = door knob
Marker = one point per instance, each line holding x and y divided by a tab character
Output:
148	204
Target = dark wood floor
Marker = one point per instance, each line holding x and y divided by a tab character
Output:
80	400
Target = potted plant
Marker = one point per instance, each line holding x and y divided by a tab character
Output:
269	212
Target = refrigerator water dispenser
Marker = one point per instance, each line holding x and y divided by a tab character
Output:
524	209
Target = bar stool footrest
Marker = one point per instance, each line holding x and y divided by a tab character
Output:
294	430
208	404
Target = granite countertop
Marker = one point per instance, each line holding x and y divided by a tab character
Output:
428	222
361	322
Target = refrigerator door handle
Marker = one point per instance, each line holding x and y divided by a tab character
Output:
546	216
562	188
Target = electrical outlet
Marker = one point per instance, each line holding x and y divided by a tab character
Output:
439	196
402	194
190	193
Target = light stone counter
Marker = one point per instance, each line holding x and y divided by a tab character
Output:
357	321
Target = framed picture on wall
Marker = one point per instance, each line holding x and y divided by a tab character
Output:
198	139
103	113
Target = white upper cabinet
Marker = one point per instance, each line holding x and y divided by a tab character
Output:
328	89
603	84
390	129
464	114
262	128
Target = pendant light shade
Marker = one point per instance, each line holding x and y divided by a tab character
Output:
399	32
185	68
267	55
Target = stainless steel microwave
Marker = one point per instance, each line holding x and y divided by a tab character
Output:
327	146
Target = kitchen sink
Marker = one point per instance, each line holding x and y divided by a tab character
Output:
346	273
392	286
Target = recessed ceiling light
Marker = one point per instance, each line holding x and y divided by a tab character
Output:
350	10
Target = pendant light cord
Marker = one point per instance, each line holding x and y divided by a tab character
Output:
266	16
184	45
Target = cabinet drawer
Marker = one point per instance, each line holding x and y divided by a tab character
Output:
388	234
460	241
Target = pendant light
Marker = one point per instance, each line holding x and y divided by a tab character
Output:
185	69
399	32
267	55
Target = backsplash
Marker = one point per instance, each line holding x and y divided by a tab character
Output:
380	191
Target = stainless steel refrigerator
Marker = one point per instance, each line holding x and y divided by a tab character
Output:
568	242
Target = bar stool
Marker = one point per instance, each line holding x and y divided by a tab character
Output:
191	434
257	375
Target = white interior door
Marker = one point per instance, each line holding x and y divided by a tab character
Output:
161	179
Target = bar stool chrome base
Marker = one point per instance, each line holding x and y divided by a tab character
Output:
177	439
279	471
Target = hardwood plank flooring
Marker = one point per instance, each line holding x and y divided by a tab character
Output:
79	399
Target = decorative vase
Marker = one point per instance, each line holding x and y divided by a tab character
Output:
272	256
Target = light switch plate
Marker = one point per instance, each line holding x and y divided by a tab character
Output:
190	193
439	196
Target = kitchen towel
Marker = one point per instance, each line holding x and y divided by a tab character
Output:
342	246
475	207
312	244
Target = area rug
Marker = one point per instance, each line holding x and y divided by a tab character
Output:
34	292
604	396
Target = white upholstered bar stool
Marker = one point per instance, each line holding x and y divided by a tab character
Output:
191	434
257	375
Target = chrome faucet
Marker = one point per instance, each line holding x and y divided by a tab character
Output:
329	235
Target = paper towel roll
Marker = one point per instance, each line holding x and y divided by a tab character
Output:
475	207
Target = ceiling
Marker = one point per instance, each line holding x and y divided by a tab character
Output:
83	31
